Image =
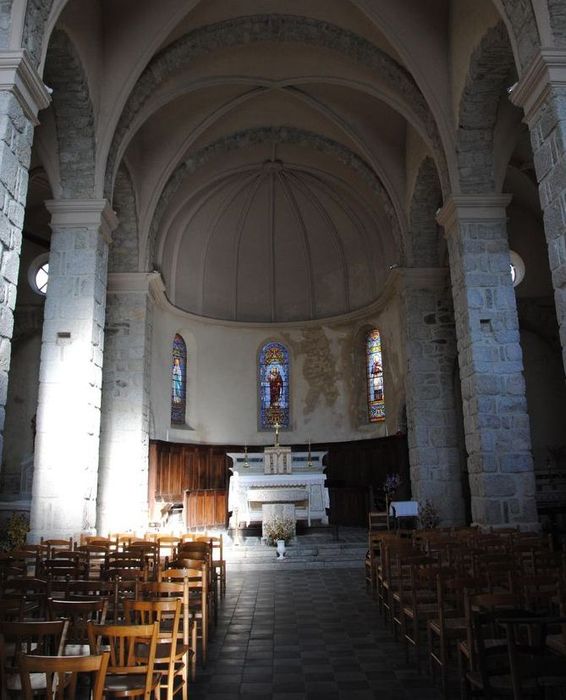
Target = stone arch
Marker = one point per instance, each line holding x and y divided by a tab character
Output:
37	14
74	117
124	250
557	12
5	21
276	135
520	19
423	243
260	28
491	67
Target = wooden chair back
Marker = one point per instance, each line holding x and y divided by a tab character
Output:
61	673
27	637
79	613
132	657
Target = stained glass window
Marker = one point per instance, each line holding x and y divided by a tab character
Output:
273	386
178	381
376	401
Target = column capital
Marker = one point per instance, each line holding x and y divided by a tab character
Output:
547	71
83	213
472	208
19	76
133	282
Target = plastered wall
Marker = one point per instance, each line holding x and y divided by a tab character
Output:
327	390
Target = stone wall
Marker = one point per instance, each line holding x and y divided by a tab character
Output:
125	407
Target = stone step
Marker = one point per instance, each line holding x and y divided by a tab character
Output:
259	556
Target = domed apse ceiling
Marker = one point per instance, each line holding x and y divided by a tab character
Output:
276	239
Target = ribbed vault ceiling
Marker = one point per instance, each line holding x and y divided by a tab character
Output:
274	241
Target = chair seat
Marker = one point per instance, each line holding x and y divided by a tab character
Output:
452	625
128	682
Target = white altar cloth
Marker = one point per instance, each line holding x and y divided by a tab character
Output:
250	487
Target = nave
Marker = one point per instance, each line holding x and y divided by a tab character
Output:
304	634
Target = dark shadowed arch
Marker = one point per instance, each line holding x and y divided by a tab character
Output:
491	71
423	245
74	117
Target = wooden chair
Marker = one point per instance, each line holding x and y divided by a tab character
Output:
132	653
54	545
79	613
378	521
196	573
417	605
31	589
170	656
201	550
95	556
61	674
168	547
533	667
187	633
482	655
218	562
18	638
449	626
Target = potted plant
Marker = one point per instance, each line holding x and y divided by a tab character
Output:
13	532
429	516
390	485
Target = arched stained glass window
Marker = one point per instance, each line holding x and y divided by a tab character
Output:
178	381
273	386
376	401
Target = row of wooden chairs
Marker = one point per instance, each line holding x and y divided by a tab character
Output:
134	559
178	602
425	586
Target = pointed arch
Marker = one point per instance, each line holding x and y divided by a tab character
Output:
179	361
273	386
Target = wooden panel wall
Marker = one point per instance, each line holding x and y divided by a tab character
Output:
355	474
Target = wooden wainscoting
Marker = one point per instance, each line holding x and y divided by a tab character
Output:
205	508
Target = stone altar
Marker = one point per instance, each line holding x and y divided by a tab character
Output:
250	488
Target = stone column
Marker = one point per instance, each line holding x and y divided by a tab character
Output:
22	95
70	375
541	92
432	418
496	423
124	441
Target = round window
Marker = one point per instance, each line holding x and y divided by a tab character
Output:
38	274
517	267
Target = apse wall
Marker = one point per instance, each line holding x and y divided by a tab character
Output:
328	399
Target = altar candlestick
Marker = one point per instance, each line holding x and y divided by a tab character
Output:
309	461
277	426
246	464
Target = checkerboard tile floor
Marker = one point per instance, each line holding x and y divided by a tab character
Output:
305	635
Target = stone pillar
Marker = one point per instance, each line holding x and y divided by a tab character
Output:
432	414
22	95
70	375
124	443
541	92
496	423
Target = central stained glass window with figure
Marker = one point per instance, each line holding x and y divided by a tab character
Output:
273	386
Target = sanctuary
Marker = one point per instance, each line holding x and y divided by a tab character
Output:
343	217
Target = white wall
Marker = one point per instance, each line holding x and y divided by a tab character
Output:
222	404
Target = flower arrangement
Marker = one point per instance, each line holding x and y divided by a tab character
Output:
429	516
13	532
391	484
279	529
